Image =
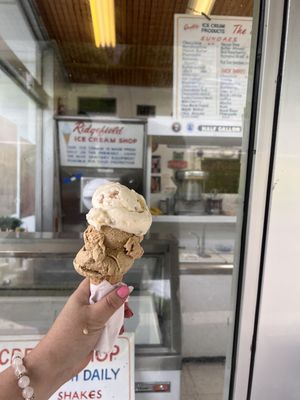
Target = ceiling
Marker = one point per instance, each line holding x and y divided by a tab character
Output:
144	53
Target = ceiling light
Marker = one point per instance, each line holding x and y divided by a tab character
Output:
200	6
103	17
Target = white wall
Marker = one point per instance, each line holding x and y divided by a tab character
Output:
127	98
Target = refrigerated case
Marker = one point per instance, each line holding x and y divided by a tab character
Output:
195	165
37	275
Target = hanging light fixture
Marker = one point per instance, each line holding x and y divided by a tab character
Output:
103	17
200	6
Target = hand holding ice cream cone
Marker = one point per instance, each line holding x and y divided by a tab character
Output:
117	224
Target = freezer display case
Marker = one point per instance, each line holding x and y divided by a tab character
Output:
37	275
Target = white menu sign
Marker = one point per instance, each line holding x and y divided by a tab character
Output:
101	144
211	59
107	376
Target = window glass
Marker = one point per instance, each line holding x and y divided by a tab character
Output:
17	35
18	137
158	106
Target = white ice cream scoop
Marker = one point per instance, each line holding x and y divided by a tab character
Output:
119	207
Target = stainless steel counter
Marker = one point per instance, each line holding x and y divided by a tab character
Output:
205	269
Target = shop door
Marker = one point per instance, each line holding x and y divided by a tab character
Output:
274	360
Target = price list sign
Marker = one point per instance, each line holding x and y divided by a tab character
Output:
100	144
211	59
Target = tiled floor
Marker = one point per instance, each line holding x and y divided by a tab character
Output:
202	380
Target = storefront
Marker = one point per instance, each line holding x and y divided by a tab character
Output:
187	106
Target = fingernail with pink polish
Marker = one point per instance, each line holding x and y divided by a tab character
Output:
123	292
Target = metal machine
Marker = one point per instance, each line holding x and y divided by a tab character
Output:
190	189
91	151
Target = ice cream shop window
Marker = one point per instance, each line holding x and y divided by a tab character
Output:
151	95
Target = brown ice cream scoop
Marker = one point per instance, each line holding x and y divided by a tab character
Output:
107	254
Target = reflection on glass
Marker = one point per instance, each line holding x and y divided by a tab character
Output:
19	39
150	302
186	75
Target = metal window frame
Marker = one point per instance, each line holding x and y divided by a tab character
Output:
270	16
275	363
16	70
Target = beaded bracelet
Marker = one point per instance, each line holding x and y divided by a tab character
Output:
23	380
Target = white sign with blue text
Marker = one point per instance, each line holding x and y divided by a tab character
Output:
107	376
101	144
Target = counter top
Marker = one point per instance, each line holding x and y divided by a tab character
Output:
190	263
205	269
45	244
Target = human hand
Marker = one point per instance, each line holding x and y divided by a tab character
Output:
66	350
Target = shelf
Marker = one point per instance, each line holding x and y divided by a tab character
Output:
195	131
227	141
204	219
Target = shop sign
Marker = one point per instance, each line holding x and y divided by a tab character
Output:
211	59
107	376
100	144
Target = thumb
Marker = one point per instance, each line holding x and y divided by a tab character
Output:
82	293
107	306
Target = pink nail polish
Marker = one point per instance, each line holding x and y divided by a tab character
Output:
123	292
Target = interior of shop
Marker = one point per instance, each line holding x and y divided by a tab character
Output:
67	90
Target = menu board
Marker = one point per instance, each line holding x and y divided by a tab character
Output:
101	144
211	59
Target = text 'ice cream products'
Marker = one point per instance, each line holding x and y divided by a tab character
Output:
118	221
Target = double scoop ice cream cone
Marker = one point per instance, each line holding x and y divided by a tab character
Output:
117	224
117	221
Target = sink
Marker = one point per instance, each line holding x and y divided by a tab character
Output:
190	256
